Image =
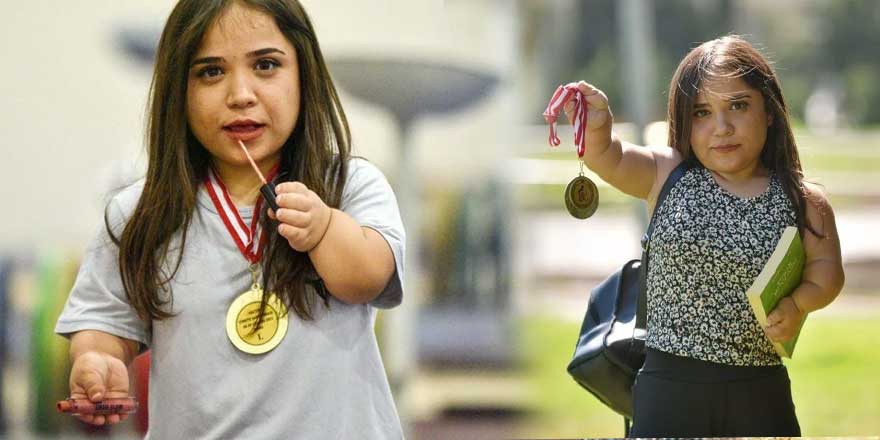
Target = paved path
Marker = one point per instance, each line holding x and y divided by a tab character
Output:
558	259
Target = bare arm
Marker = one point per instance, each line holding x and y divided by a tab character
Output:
98	341
823	276
355	262
823	270
630	168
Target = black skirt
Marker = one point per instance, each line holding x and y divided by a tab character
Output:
676	396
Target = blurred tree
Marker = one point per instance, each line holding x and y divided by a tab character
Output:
823	43
848	47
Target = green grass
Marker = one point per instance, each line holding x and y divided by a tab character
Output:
834	378
816	163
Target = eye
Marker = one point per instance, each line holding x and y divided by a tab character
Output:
267	64
701	113
209	72
739	105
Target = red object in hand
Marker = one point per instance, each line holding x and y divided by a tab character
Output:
562	95
79	407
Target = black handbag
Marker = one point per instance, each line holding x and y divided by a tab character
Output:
611	347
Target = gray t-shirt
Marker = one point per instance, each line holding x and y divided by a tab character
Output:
324	380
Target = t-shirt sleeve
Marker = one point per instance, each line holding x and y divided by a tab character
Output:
369	199
97	300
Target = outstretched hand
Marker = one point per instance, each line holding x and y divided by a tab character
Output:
98	376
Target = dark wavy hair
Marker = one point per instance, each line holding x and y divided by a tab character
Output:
733	57
316	154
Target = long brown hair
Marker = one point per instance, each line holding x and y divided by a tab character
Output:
316	154
733	57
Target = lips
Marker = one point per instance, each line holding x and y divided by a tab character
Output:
244	130
725	148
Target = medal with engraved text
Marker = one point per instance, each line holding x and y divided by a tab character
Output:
581	195
251	328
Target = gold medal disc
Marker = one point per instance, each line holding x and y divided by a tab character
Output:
242	316
581	197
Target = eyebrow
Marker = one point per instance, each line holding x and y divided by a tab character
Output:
731	98
253	54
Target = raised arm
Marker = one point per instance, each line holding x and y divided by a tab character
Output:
630	168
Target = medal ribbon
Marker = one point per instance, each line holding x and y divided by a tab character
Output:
562	95
250	241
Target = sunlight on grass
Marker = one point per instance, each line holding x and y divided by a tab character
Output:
833	374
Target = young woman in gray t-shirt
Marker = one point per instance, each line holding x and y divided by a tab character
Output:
260	322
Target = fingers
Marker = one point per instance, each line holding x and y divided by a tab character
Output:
292	233
772	333
292	217
93	384
117	382
297	201
291	188
775	317
595	97
779	332
597	101
99	376
102	419
300	213
87	418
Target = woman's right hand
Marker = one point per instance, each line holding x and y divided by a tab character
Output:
599	118
97	376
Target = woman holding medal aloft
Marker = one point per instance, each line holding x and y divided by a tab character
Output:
715	230
260	321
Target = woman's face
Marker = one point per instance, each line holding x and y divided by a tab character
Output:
729	127
243	84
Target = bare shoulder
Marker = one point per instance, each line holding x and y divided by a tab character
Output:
666	159
818	209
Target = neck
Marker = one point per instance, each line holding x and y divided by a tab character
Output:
743	176
242	183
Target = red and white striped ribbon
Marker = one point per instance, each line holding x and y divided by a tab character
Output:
562	95
249	240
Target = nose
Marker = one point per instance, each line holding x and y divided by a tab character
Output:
241	93
723	126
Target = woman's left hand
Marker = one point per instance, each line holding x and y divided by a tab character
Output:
303	217
784	320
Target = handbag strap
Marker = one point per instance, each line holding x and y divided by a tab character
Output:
642	304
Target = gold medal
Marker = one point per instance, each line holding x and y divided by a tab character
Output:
581	197
242	317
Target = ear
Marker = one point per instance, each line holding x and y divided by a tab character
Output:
769	119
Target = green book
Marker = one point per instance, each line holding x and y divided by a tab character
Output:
780	276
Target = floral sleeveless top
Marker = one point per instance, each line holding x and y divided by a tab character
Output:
707	248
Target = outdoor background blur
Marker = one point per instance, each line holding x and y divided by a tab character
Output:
446	98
